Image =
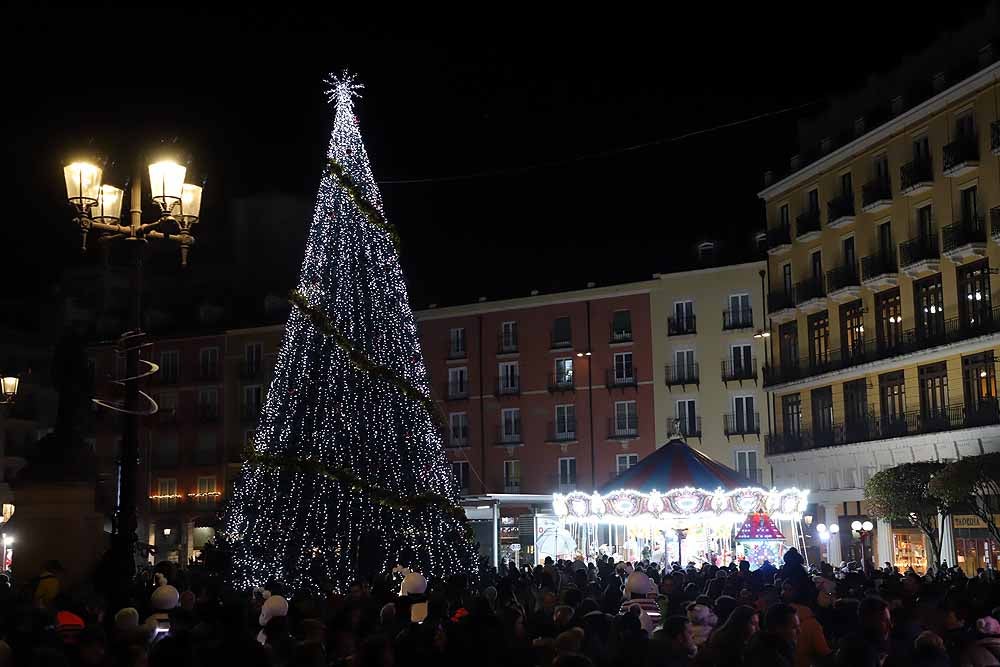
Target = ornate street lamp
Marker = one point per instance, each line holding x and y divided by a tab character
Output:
8	388
98	208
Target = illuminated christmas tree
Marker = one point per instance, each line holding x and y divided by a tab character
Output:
347	475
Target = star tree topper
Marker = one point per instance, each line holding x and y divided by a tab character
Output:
342	88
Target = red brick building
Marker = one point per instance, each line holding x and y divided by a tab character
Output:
546	392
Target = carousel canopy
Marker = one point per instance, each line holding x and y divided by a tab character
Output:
677	465
758	527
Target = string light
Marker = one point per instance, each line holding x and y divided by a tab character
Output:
305	529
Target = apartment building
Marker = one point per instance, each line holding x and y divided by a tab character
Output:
708	346
882	255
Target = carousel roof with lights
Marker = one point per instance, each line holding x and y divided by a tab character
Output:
677	465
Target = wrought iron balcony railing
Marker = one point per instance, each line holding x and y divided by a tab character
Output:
740	318
779	236
741	424
780	299
561	382
806	222
811	288
679	326
739	370
622	429
879	264
918	250
962	150
916	172
842	277
681	374
963	232
841	206
875	191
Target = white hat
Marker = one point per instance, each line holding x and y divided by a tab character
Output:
413	584
639	584
164	598
273	607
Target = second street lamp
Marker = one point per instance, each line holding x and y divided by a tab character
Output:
98	207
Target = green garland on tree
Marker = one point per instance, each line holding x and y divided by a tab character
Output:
374	216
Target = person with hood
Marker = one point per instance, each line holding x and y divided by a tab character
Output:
985	650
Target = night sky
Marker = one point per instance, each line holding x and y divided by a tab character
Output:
541	107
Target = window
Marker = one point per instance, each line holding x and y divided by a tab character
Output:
819	339
706	251
786	278
816	262
165	453
684	368
508	337
567	472
740	314
510	425
791	415
251	358
974	303
208	363
925	224
822	415
852	329
746	465
626	418
458	382
886	248
788	345
168	406
562	333
460	469
812	201
745	415
933	379
881	168
252	395
684	321
623	367
921	149
170	366
621	326
208	403
564	372
207	493
207	451
166	491
856	410
687	418
512	476
741	358
625	461
888	319
509	377
980	380
892	400
846	186
565	422
783	216
459	429
850	258
456	343
929	307
965	126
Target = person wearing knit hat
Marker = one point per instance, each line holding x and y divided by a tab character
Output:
163	600
274	607
127	619
986	649
68	626
703	621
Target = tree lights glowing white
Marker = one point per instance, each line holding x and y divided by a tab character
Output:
323	408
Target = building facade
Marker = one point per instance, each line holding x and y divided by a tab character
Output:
882	258
707	343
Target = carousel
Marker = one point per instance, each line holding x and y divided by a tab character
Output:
676	505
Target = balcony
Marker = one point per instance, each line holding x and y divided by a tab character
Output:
946	332
681	326
880	271
682	428
681	375
507	439
920	257
871	427
843	283
507	344
623	377
458	441
741	424
622	429
961	156
741	318
965	240
810	295
208	413
510	387
781	305
876	196
619	335
560	343
995	137
738	372
840	211
512	486
562	432
456	391
561	382
779	240
916	177
807	226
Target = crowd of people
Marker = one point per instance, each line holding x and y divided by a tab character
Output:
562	613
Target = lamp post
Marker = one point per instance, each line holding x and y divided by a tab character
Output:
98	208
8	389
862	529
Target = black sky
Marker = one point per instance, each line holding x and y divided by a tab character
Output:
243	92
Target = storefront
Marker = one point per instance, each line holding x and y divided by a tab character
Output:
908	548
975	547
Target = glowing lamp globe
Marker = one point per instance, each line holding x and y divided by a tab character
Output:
856	525
83	184
867	526
188	209
834	528
109	204
166	182
9	385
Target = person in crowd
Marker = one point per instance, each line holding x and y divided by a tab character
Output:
673	644
728	643
775	645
